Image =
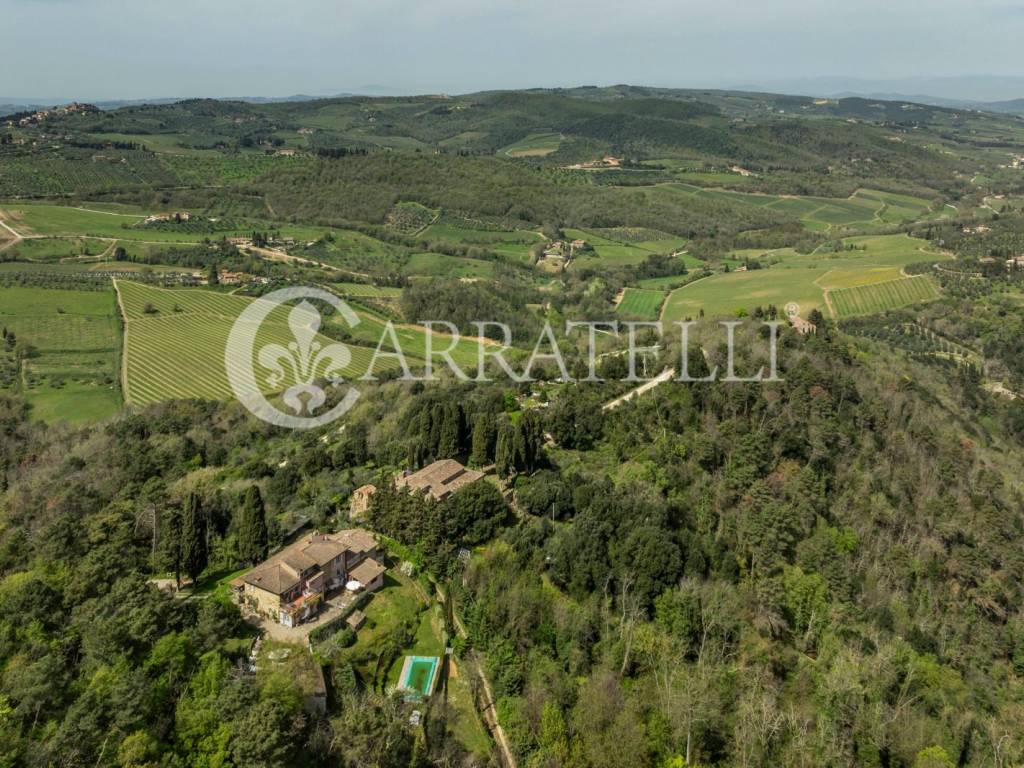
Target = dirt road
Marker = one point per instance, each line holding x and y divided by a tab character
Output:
661	378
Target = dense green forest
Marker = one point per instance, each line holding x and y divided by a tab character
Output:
824	571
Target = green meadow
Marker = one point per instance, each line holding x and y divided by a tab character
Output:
803	279
535	145
864	209
69	342
59	221
640	304
609	251
515	244
443	265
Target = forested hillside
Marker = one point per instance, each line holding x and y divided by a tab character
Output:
824	571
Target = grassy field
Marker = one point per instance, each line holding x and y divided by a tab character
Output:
70	372
871	299
609	252
58	221
651	240
38	219
413	340
365	291
801	278
170	143
663	283
640	304
535	145
55	249
514	244
864	210
442	265
726	294
176	350
356	252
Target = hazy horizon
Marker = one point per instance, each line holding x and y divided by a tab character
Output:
112	50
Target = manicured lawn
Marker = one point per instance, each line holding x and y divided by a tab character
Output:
218	585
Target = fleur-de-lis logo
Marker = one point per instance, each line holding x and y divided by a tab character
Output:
298	366
307	360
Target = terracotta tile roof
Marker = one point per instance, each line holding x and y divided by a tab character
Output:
440	479
282	571
272	577
356	540
367	571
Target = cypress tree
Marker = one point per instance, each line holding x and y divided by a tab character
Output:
504	452
253	540
449	428
483	439
170	543
193	538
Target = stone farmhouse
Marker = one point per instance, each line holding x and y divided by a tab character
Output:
290	586
438	480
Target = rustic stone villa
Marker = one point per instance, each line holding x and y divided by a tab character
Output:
439	480
290	586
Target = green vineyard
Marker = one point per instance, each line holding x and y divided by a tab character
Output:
175	342
879	297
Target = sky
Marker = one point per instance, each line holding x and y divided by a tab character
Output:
128	49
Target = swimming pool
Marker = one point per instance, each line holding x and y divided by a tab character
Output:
419	676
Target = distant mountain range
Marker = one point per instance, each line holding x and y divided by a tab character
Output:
1002	94
991	93
12	104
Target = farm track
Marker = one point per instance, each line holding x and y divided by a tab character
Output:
664	305
15	236
271	254
661	378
